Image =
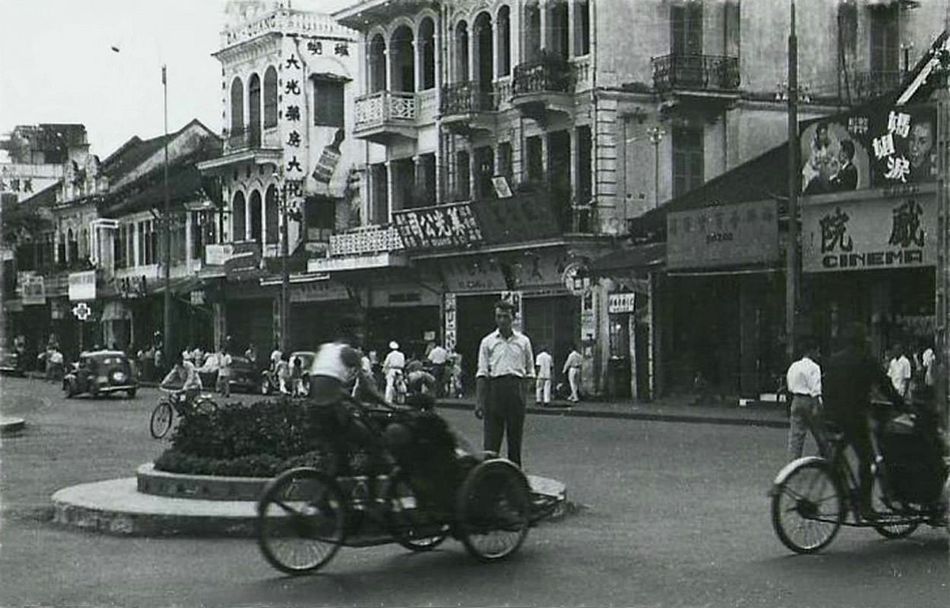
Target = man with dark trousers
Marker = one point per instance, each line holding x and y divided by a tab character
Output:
850	374
505	374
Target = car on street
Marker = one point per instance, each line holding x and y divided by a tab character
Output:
245	375
101	372
10	362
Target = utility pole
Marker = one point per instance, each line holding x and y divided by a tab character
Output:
166	222
791	247
284	208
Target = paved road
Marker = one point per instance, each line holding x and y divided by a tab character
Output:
678	516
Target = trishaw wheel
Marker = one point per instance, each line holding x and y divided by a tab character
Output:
493	510
807	508
896	529
161	421
890	526
411	526
300	521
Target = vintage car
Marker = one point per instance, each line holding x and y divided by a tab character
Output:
101	372
10	362
245	375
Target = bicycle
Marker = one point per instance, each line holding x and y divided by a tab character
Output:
177	402
813	496
305	515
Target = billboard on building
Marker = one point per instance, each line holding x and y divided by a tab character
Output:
725	235
878	146
894	232
32	288
82	285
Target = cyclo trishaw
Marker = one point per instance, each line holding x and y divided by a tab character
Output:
813	496
420	489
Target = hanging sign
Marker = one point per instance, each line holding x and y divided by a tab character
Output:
82	285
294	121
620	303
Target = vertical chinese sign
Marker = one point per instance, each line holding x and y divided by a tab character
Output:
294	123
451	329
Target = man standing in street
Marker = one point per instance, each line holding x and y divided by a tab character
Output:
505	373
572	369
393	366
438	357
899	370
545	367
224	372
804	385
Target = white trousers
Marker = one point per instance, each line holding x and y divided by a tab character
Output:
391	378
542	390
573	378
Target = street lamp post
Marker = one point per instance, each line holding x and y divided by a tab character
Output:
656	136
791	250
166	223
285	211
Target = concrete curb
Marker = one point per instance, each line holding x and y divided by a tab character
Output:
11	426
116	507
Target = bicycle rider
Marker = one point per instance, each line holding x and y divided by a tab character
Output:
850	373
183	379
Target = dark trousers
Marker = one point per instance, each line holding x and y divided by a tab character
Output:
858	435
505	410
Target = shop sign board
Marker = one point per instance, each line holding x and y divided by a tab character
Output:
521	218
451	326
725	235
441	227
217	255
620	303
870	234
82	285
318	291
869	148
32	288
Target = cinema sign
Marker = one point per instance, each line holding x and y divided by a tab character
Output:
871	234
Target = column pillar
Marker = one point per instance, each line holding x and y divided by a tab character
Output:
471	51
543	37
247	218
189	228
390	191
570	29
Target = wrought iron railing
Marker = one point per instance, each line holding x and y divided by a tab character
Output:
703	72
467	98
546	75
368	239
377	109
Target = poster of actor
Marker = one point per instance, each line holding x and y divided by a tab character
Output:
834	158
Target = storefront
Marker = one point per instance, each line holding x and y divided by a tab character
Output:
869	257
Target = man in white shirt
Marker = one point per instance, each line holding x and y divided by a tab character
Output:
544	364
393	367
505	371
438	357
223	361
899	370
804	385
572	368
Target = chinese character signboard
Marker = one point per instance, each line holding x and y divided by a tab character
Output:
82	285
521	218
726	235
869	148
621	303
32	288
441	227
293	120
870	234
451	327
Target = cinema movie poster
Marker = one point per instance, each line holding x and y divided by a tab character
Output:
867	149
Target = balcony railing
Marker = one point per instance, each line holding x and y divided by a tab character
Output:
382	107
695	72
547	75
468	98
369	239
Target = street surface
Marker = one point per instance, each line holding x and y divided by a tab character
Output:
677	516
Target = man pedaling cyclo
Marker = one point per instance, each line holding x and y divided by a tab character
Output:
183	379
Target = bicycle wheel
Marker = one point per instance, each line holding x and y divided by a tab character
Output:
161	421
300	521
807	508
205	405
493	510
409	525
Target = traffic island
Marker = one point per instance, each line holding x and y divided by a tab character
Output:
10	425
155	503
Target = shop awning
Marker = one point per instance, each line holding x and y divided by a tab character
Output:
180	285
637	256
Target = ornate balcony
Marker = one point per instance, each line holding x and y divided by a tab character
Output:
543	86
702	78
468	106
386	115
360	249
260	146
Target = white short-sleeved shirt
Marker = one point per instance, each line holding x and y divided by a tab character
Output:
438	355
898	370
545	364
804	378
394	360
500	356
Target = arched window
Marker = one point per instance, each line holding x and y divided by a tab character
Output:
238	230
403	77
532	31
257	217
461	52
427	53
503	30
73	253
254	109
270	97
377	64
271	215
484	51
237	107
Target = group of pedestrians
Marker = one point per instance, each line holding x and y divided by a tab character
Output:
840	391
544	383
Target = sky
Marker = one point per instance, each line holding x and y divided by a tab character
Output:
57	64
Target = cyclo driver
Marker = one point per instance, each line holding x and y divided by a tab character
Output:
183	378
850	374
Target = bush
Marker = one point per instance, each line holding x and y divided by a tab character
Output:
256	465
